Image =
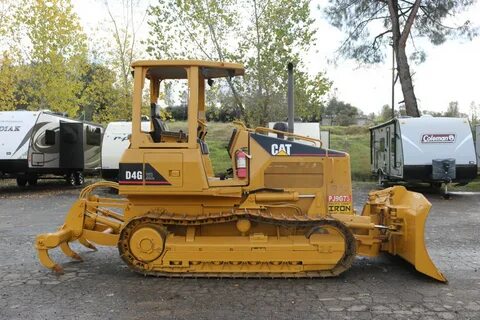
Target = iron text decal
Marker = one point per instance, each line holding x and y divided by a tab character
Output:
438	138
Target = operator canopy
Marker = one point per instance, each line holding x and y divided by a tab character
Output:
176	69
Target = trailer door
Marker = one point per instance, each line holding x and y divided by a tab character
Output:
71	145
389	152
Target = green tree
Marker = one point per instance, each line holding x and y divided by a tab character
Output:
310	99
386	114
400	20
193	29
123	28
474	114
101	100
55	53
269	35
343	114
8	79
452	110
278	32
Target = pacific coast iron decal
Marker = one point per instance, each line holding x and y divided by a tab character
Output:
133	174
282	147
438	138
339	203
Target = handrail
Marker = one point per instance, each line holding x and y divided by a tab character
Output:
293	135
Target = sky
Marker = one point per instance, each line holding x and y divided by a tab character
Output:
450	73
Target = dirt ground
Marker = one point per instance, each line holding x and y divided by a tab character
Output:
102	286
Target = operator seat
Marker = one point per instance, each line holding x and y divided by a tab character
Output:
158	125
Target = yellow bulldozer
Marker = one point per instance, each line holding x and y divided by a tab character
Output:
283	210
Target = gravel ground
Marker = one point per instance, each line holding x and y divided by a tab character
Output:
102	286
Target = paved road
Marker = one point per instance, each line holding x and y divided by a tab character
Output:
382	288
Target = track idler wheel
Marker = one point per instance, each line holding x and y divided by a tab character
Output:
141	242
337	228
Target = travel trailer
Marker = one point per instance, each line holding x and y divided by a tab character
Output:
115	141
40	144
477	143
427	149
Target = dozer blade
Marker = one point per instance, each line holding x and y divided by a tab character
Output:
405	214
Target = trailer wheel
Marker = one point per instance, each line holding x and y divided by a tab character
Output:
70	178
21	181
79	179
32	180
435	185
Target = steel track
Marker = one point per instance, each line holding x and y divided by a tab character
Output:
160	219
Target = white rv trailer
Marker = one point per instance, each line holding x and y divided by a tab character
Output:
308	129
477	143
426	149
115	141
34	144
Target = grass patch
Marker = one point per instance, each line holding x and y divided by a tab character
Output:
217	140
354	140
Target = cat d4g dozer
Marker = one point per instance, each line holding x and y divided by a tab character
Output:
284	209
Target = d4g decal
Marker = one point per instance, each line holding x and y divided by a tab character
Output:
130	173
134	174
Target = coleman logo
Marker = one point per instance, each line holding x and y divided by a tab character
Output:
9	128
281	149
438	138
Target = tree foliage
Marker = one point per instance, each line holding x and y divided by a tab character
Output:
123	29
342	113
8	79
373	25
265	38
50	56
101	100
45	64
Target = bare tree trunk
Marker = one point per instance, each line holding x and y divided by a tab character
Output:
399	44
409	97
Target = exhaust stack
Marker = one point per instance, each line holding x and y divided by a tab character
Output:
290	100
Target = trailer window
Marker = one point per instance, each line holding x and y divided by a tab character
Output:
49	137
382	144
94	136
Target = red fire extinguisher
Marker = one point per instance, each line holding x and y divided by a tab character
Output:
241	163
